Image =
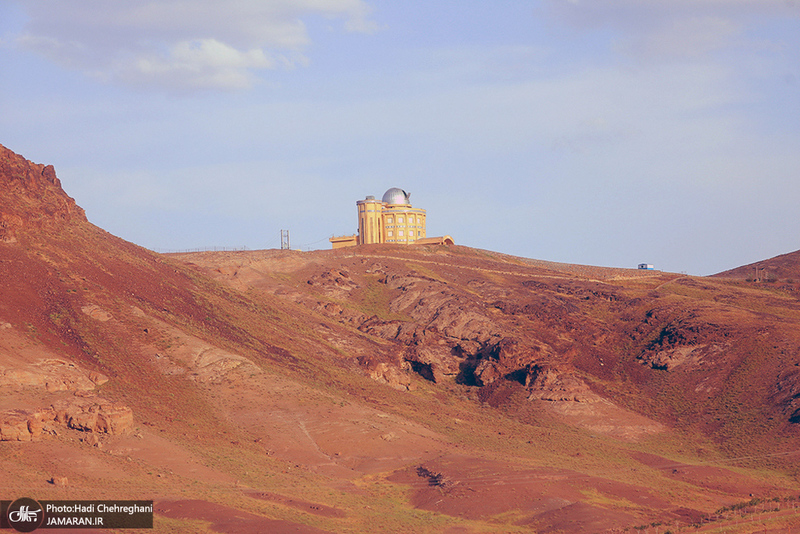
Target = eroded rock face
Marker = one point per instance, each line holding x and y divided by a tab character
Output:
454	336
510	358
53	375
548	383
22	425
684	340
389	374
450	334
83	410
203	362
212	364
687	356
36	199
9	223
335	282
95	415
447	332
443	310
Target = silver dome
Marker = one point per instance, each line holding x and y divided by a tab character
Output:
395	195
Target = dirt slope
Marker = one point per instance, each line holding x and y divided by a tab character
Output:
382	389
782	272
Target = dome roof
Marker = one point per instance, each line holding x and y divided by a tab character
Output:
395	195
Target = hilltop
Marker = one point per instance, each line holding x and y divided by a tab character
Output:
384	388
784	268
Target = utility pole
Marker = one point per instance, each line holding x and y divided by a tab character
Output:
284	239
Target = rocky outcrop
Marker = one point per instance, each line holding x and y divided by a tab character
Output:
211	364
392	374
9	224
450	334
33	197
93	414
686	356
448	331
450	312
53	375
681	339
202	362
334	282
83	410
194	358
551	384
24	425
510	358
471	333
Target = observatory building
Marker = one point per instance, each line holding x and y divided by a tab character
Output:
389	220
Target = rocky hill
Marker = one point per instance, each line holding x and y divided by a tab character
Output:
32	197
386	388
783	269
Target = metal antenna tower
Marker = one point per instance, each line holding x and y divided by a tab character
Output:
284	239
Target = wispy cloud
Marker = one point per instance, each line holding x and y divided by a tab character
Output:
683	38
671	29
179	44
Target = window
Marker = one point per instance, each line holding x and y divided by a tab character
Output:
419	234
411	220
400	233
400	220
391	234
389	220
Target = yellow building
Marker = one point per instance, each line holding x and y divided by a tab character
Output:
389	220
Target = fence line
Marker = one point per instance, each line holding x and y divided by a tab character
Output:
201	249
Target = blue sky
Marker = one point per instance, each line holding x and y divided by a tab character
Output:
601	132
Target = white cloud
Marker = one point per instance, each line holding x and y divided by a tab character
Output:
181	44
207	62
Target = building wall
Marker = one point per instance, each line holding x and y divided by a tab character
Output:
385	223
344	241
370	227
389	223
403	224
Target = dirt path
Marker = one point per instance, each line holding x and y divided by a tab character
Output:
567	274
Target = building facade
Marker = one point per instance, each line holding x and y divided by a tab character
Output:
391	219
